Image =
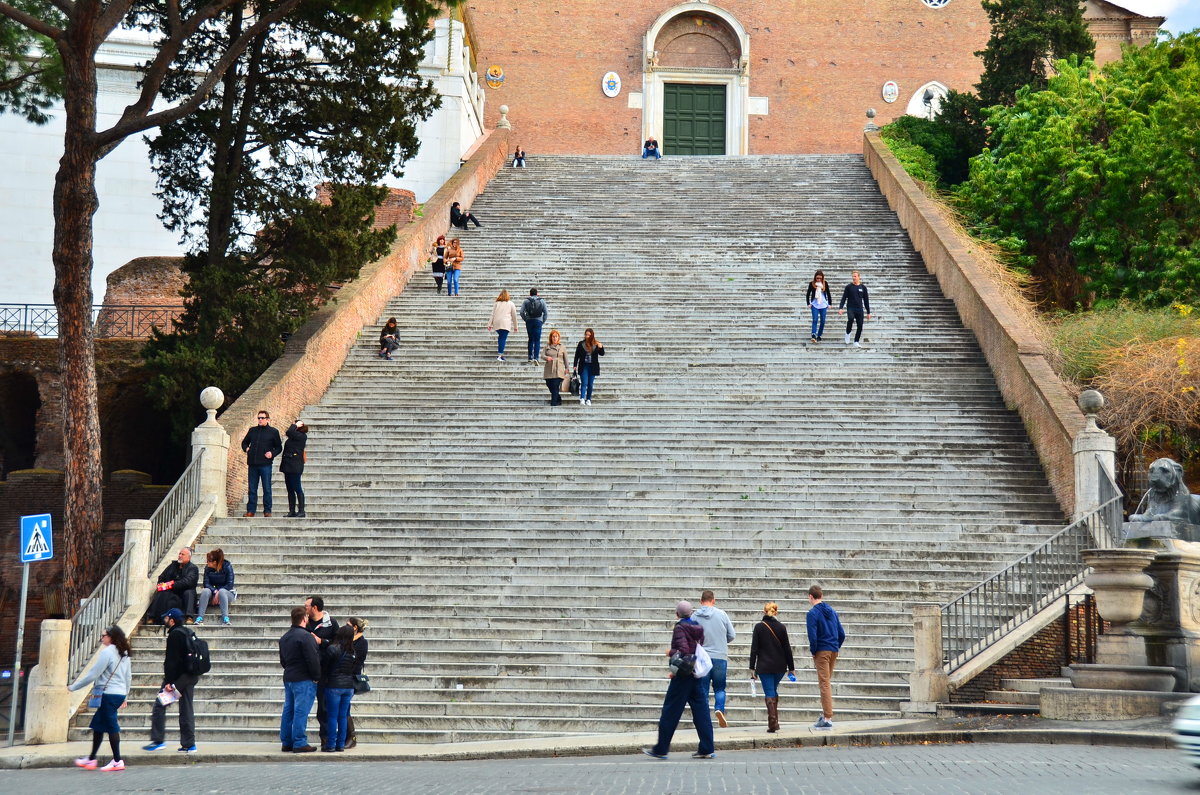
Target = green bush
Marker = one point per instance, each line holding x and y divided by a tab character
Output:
1087	343
917	162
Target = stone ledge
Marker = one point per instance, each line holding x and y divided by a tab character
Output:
1069	703
1015	356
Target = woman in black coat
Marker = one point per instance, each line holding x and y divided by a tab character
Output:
770	659
292	466
361	647
587	363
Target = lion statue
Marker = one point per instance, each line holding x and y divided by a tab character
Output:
1168	498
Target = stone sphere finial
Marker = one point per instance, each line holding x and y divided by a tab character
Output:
1090	401
870	113
504	123
871	126
212	398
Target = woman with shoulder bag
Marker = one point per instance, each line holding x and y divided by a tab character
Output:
770	659
437	259
292	466
112	675
503	321
587	362
556	370
361	647
337	669
454	261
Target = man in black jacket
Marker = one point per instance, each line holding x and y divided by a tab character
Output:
459	217
534	313
261	445
301	671
855	294
176	680
176	587
323	628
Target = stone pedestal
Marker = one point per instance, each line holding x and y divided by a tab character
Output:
210	437
48	704
928	683
1093	449
1159	529
1120	583
137	543
1170	621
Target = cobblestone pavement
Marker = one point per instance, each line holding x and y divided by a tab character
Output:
934	769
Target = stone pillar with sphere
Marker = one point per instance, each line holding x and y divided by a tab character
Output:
1094	450
210	437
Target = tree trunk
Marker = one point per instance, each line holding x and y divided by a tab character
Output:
75	203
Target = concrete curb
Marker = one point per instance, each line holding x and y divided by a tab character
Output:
34	757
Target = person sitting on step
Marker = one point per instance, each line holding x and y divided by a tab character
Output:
218	585
176	588
389	339
459	217
518	157
651	149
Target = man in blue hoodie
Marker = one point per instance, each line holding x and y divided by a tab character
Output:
825	639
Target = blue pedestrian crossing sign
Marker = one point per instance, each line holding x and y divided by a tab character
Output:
37	540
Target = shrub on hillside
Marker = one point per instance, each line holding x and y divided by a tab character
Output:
918	162
1089	344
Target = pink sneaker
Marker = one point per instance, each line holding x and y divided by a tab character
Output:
113	766
85	763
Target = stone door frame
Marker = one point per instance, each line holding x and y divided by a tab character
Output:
736	81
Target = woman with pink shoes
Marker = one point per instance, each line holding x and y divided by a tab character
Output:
111	676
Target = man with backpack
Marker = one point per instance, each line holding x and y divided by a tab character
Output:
185	662
535	314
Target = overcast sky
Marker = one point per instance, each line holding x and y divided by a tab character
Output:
1182	15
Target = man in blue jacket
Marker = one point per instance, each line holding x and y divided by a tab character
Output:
825	639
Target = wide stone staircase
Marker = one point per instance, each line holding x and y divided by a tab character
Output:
519	564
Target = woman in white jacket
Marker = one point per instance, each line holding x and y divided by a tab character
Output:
503	322
112	674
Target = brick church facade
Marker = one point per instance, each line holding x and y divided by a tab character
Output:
735	77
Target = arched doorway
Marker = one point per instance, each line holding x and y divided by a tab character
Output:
696	81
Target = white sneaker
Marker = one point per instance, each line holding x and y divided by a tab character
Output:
499	358
113	766
588	402
581	401
847	339
856	345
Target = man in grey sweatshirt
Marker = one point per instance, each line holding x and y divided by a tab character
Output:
718	632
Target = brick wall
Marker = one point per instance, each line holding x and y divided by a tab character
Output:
314	354
128	494
1041	656
1016	357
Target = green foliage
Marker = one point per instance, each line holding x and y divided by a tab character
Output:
960	117
329	97
1028	35
1096	179
940	139
1086	341
915	159
31	73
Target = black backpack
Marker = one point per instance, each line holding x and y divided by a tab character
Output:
197	662
532	308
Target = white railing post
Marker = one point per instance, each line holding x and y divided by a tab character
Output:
48	703
137	545
928	684
1093	449
210	437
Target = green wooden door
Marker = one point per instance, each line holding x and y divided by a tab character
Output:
693	119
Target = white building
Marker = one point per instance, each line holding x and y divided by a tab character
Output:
127	225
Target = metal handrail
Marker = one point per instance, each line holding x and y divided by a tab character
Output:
110	321
99	611
174	511
995	607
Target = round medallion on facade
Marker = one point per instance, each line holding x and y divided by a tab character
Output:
611	84
495	76
936	3
891	91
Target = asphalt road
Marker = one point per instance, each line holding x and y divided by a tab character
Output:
934	769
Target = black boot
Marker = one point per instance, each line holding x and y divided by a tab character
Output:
301	498
291	504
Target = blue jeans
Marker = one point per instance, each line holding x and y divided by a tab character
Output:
818	328
501	340
534	329
770	684
297	703
452	282
647	152
587	379
690	691
717	677
260	473
337	707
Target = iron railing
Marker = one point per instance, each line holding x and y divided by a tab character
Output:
989	611
128	321
1081	628
175	510
98	612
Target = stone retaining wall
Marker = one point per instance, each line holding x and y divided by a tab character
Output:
1016	357
314	354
